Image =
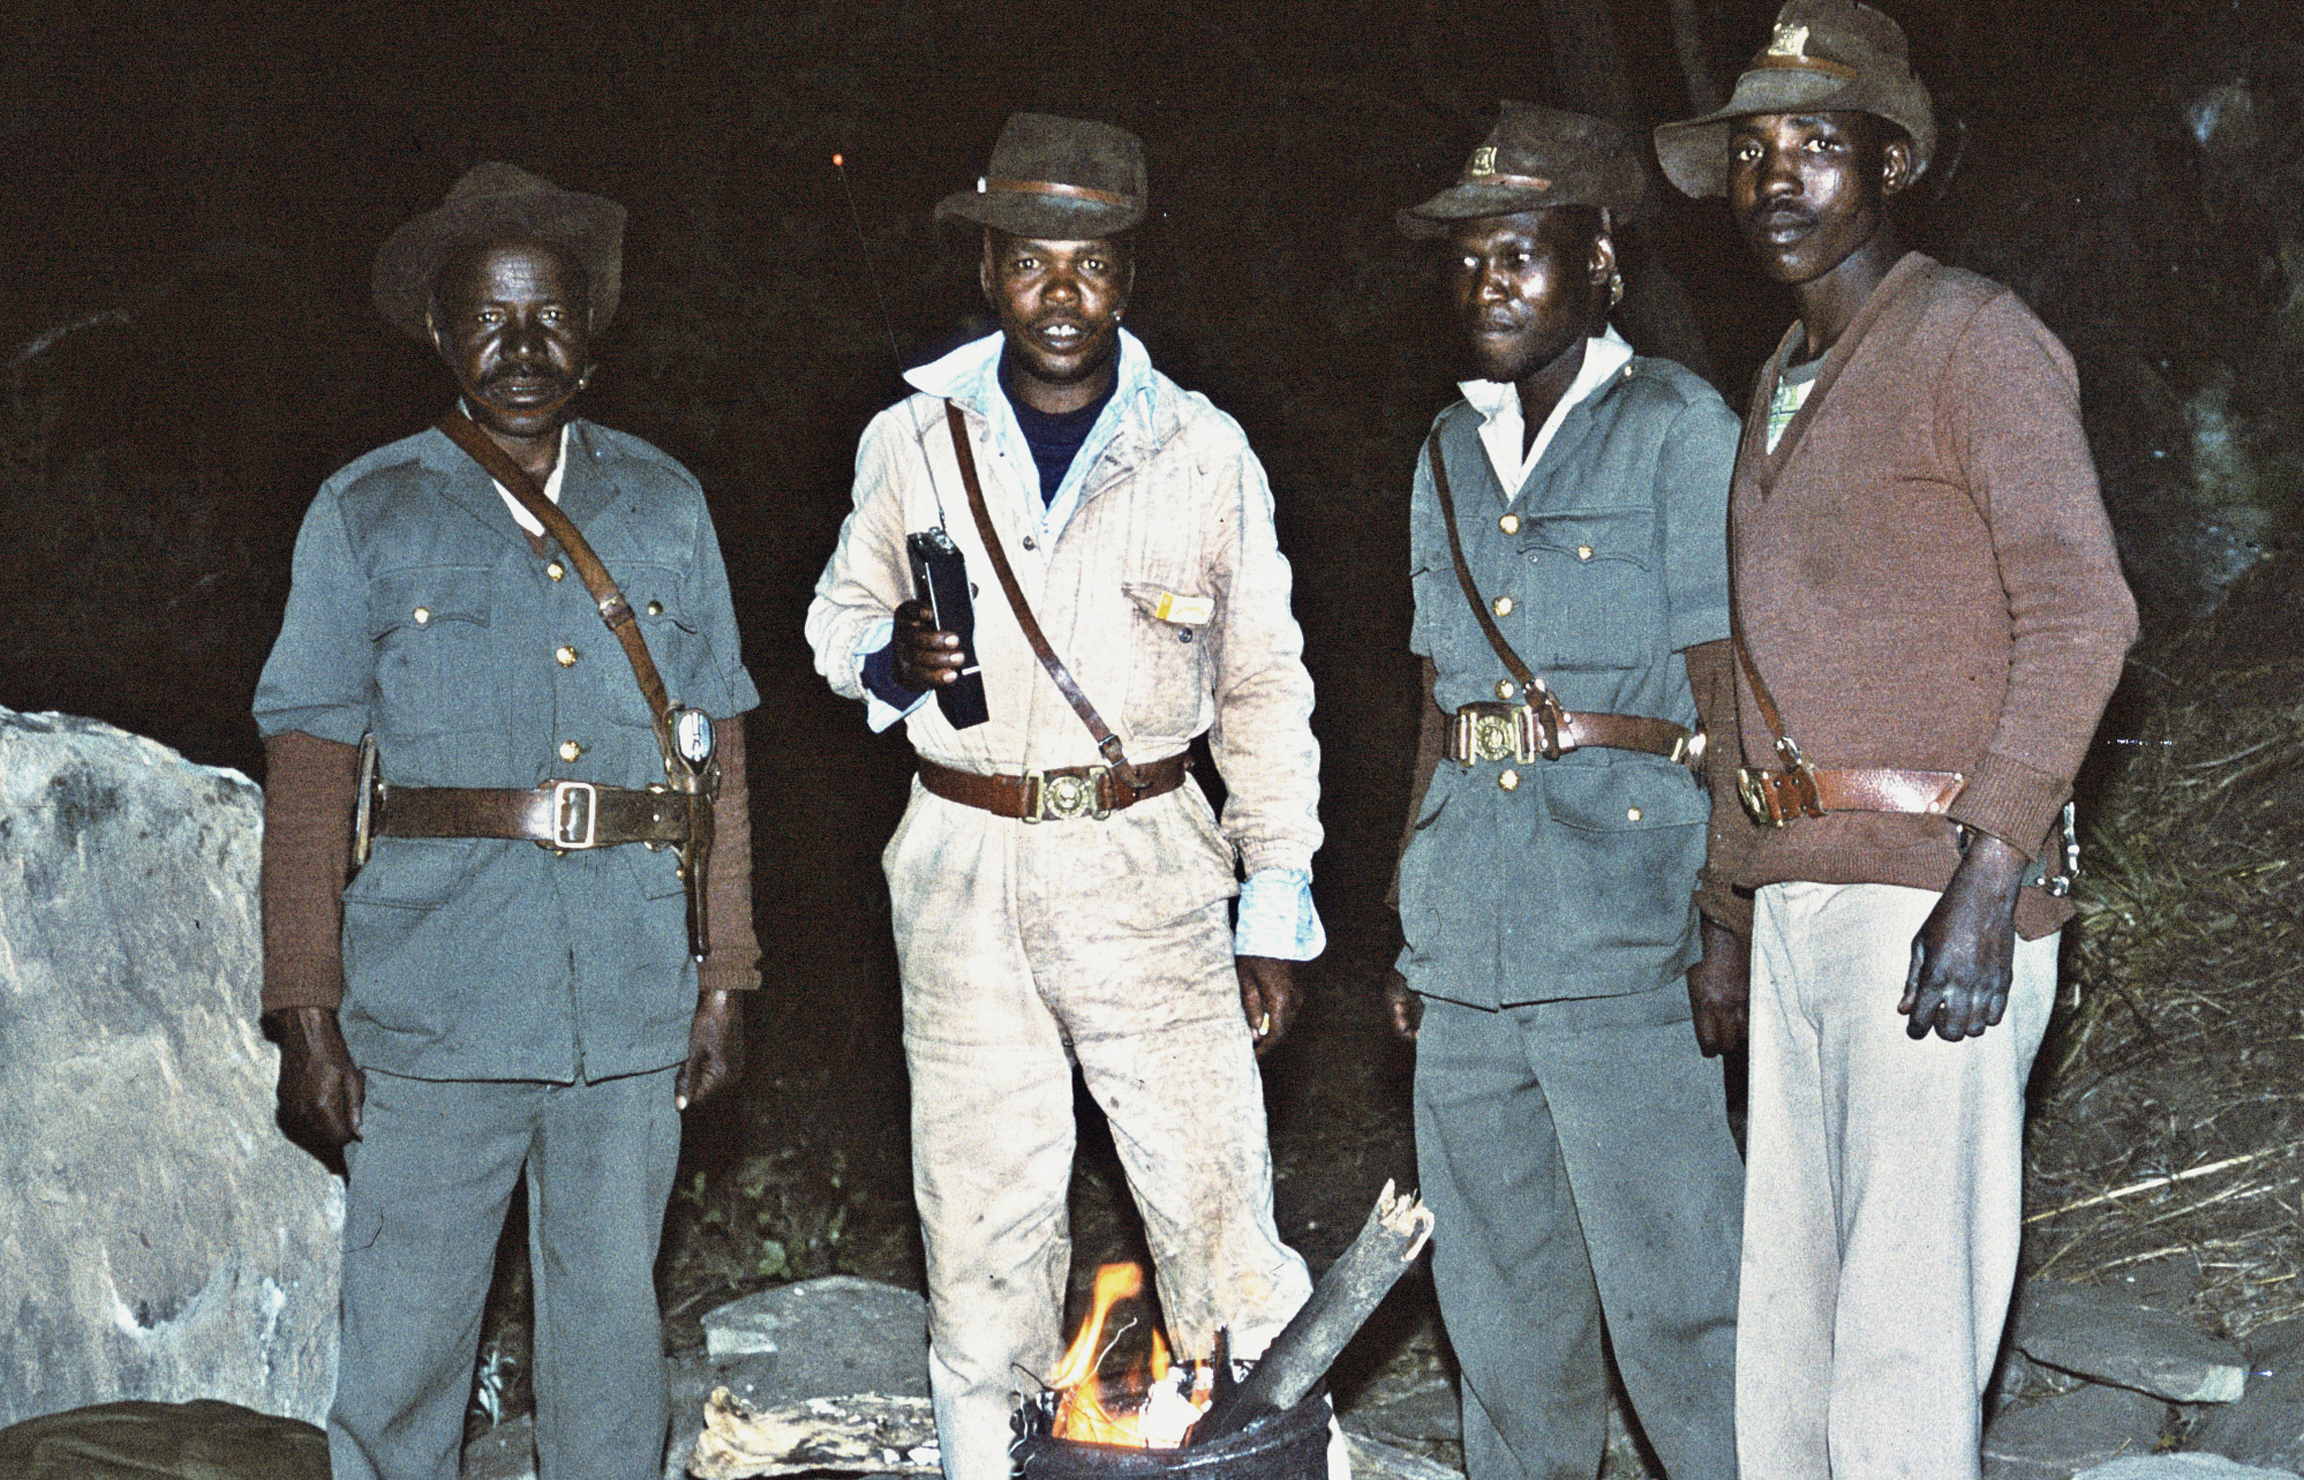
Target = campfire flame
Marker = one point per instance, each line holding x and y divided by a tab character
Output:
1093	1409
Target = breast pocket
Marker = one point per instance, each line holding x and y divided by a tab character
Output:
434	664
676	644
1167	678
1593	579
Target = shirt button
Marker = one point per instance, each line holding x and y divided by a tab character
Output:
1632	814
1510	524
570	750
564	656
1503	606
422	615
655	608
1510	780
1583	552
556	570
1029	543
1504	689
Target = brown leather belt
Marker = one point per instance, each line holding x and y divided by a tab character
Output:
1776	797
566	815
1522	732
1038	796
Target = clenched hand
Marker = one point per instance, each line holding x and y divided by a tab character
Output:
1965	953
321	1089
1267	997
715	1049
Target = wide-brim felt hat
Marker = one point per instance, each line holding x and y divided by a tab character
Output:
500	202
1534	158
1824	56
1056	179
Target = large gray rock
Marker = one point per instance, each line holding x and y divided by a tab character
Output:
2266	1427
159	1238
2107	1336
2055	1439
2181	1467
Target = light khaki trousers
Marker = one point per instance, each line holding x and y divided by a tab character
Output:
1026	948
1884	1193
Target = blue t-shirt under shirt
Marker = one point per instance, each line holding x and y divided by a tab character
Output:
1055	439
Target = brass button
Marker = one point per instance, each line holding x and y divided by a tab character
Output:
1504	689
1503	606
570	750
1632	814
1510	524
655	608
1030	544
1583	552
422	615
1510	780
565	656
556	570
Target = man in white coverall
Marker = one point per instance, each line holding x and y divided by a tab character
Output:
1052	904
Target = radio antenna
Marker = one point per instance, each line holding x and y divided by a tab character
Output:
840	163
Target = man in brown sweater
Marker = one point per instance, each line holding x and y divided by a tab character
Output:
1931	618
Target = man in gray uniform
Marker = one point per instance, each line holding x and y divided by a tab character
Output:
515	989
1567	545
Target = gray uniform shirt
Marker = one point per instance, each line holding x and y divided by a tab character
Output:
1580	880
419	611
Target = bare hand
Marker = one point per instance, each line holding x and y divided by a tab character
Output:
321	1089
715	1050
1720	990
1267	997
1965	953
1402	1006
925	659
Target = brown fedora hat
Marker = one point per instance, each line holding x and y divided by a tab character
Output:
1056	179
1537	157
499	202
1825	56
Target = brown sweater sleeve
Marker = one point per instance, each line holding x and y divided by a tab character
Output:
1712	675
309	789
1431	742
734	964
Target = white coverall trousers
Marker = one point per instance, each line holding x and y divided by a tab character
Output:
1025	948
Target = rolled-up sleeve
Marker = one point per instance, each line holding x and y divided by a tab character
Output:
320	678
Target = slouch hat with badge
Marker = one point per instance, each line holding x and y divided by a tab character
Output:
492	203
1056	179
1824	56
1534	158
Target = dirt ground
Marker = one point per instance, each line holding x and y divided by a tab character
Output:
190	351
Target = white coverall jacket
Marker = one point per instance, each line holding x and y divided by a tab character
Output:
1027	946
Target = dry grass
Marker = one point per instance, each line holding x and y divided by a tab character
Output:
2167	1097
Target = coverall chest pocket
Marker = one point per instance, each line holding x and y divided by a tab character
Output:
1168	630
435	672
1591	577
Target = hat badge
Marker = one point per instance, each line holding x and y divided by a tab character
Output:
1788	41
1484	160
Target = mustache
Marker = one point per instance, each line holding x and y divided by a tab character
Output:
546	373
1784	213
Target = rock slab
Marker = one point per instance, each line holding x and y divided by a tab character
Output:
2106	1336
159	1238
2057	1438
2266	1427
2181	1467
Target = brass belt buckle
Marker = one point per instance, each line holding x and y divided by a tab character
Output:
1752	795
1688	750
575	815
1064	798
1492	737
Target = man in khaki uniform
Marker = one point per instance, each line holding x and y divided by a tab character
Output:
1047	910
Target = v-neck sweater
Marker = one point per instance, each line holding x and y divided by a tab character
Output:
1926	579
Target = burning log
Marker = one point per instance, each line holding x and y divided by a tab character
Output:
866	1433
1346	1296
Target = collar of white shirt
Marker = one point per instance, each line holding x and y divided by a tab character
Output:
521	516
1498	402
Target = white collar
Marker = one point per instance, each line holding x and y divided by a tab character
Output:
521	516
1498	402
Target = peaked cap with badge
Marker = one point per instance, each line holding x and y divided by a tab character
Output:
1056	179
1533	158
500	202
1825	56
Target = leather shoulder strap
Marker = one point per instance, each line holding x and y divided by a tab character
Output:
614	609
1769	714
1106	742
1512	664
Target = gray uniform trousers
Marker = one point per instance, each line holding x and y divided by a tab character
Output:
1577	1157
431	1180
